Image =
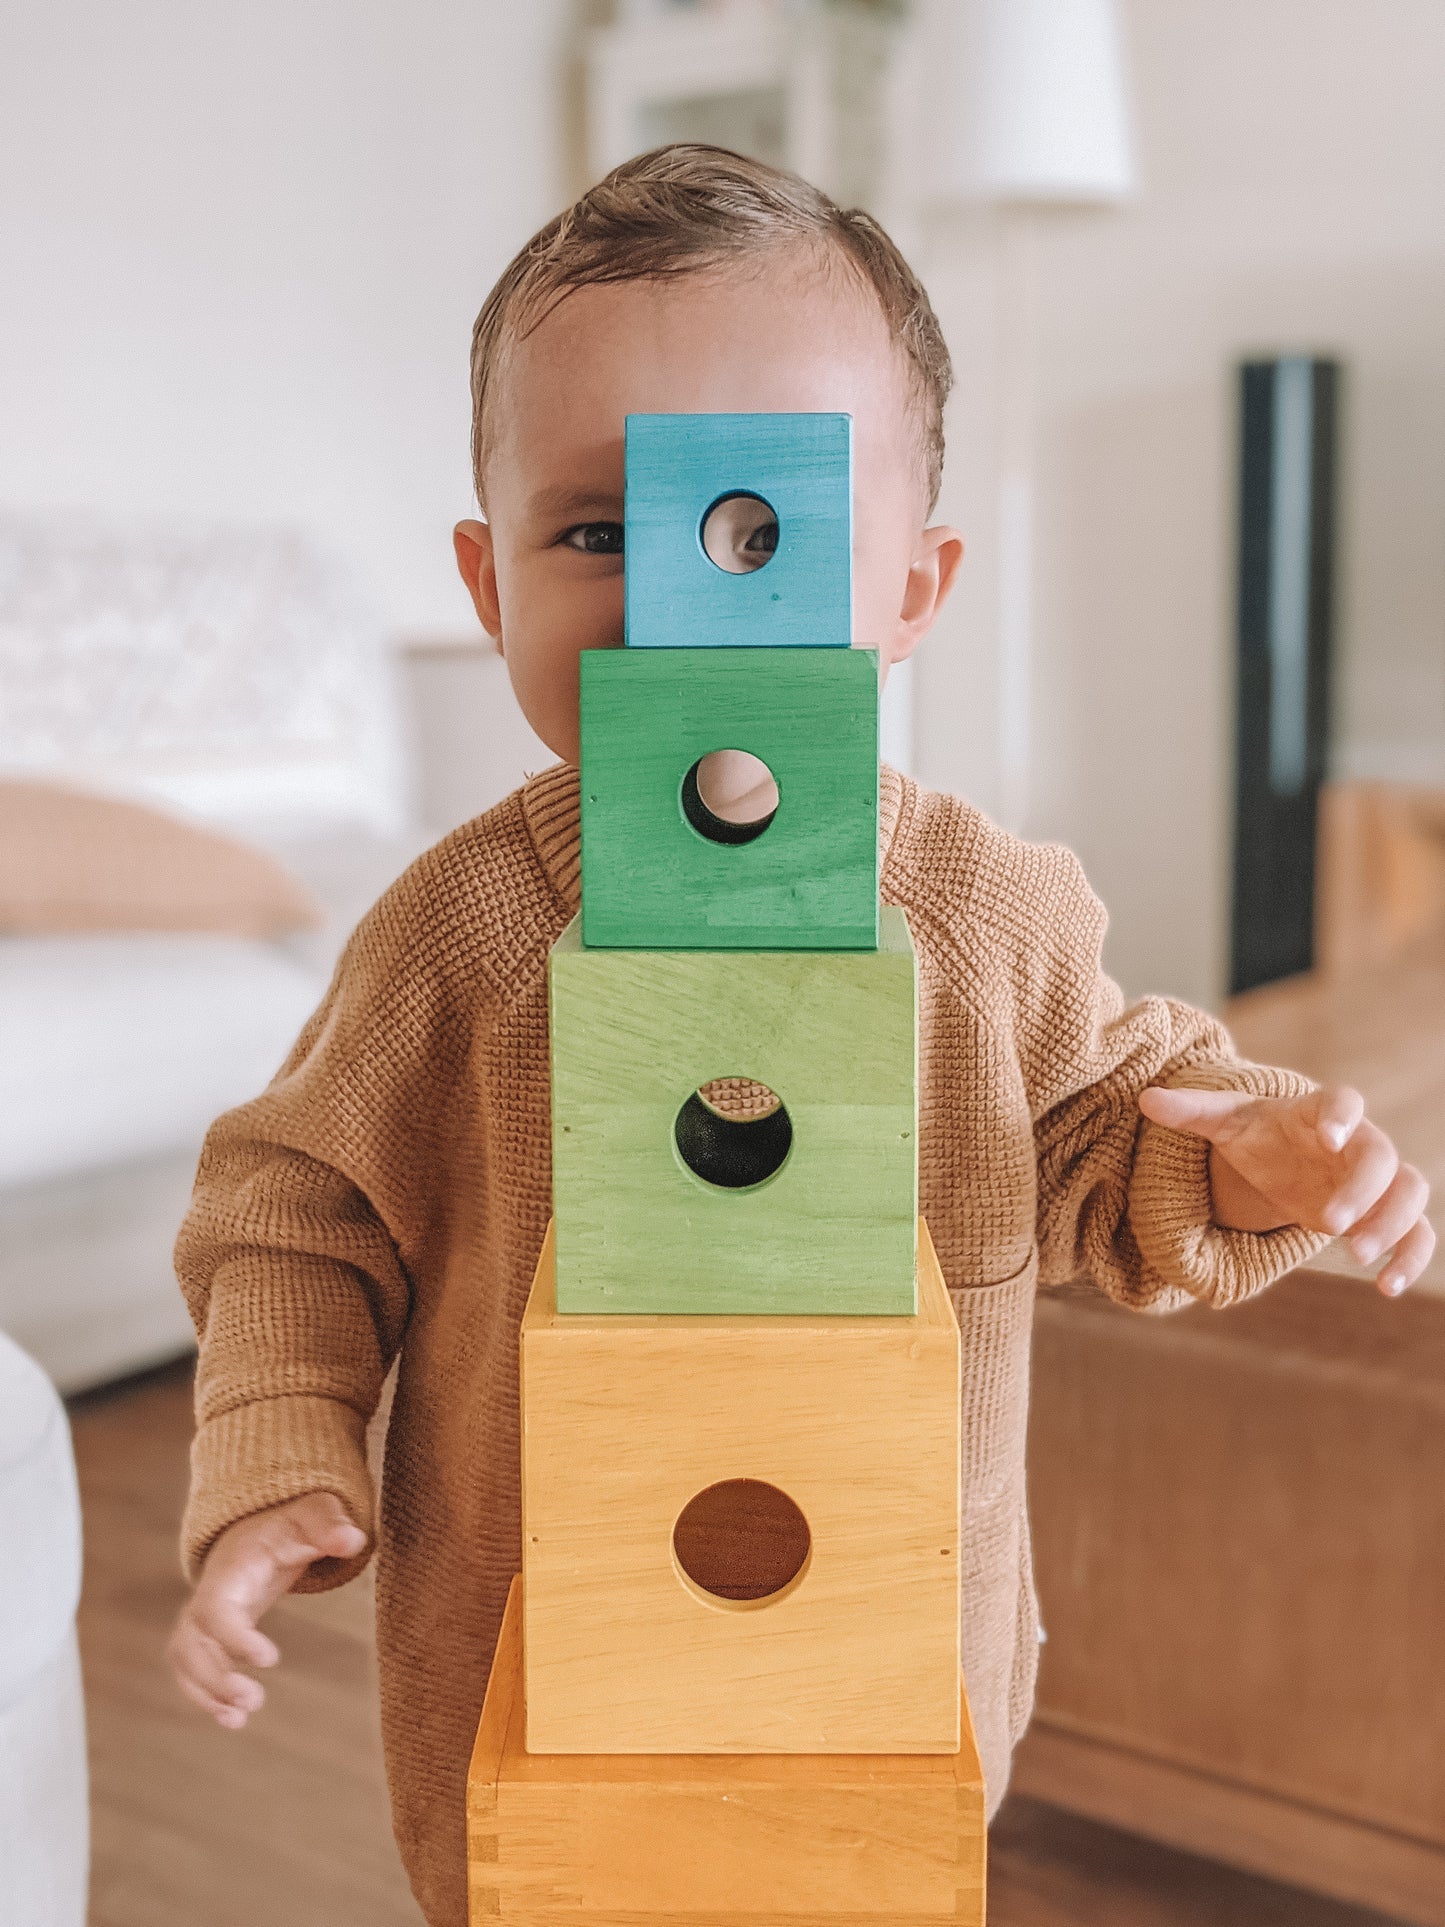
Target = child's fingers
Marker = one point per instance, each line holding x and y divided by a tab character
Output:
1387	1221
1205	1113
207	1673
1371	1162
250	1573
229	1708
220	1710
343	1541
1412	1254
201	1658
316	1527
1337	1110
247	1570
231	1694
229	1618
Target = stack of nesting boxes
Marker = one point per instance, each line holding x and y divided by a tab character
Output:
728	1684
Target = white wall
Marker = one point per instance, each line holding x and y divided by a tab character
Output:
243	247
1293	156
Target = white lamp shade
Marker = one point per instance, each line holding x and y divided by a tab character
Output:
1030	101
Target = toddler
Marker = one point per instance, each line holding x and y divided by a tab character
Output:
384	1199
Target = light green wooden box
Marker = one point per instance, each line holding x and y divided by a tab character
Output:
834	1033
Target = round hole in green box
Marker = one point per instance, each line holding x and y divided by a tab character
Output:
729	796
733	1133
742	1542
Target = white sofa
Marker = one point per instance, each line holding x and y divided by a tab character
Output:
116	1051
225	674
44	1819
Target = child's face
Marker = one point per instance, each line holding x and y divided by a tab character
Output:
545	569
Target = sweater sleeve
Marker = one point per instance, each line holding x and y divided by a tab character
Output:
293	1256
1121	1200
299	1300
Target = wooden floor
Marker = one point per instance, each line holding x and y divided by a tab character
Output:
287	1822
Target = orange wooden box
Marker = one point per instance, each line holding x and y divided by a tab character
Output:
627	1420
709	1840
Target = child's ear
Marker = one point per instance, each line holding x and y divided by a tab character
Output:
932	573
476	562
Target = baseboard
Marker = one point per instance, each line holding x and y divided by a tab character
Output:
1259	1832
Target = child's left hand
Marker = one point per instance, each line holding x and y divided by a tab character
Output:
1315	1161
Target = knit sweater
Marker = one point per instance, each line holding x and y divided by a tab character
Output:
387	1196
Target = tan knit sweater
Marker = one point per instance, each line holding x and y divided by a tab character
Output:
389	1192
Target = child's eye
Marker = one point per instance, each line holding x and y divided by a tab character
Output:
595	538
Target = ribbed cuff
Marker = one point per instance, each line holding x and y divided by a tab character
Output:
1171	1206
271	1450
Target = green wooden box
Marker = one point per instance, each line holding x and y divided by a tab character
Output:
635	1036
650	879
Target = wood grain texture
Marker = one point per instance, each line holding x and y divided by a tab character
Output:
678	466
1049	1868
1282	1839
287	1822
1380	872
623	1840
1259	1492
635	1033
625	1420
810	879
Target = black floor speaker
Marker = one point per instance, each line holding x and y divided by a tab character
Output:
1288	413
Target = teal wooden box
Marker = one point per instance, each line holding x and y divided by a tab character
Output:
650	879
635	1034
677	468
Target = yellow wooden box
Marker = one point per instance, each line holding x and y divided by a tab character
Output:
712	1840
626	1420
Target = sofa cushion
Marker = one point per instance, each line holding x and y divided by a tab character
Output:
117	1047
73	861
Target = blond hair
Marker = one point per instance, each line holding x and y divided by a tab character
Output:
685	208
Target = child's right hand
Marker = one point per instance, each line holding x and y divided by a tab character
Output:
246	1571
